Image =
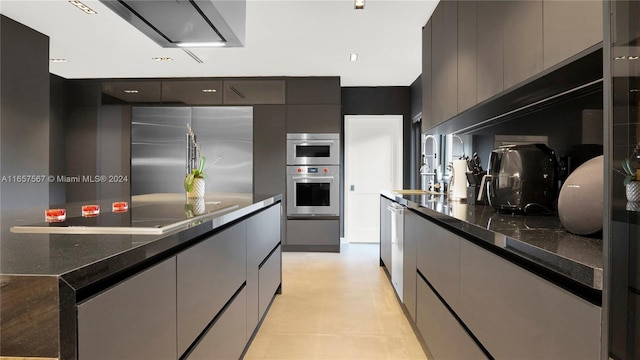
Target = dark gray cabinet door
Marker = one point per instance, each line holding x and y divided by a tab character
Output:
427	104
443	334
438	259
518	315
570	27
269	150
251	92
385	233
522	40
263	235
314	235
208	274
444	61
314	118
409	273
490	49
135	319
467	54
192	92
270	276
227	337
313	90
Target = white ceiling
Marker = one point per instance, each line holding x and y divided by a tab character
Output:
283	38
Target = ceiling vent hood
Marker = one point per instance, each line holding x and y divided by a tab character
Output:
186	23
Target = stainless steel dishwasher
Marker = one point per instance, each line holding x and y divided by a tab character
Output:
397	245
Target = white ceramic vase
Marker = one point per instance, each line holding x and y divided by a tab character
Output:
197	205
197	189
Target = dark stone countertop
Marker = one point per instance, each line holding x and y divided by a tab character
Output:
539	241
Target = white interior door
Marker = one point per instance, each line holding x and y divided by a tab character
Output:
373	161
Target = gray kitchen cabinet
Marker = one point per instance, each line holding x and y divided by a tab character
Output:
490	39
269	149
409	267
208	274
313	90
522	40
270	275
314	119
385	233
467	55
313	235
135	319
518	315
438	259
445	337
427	103
192	92
263	239
226	339
444	61
132	91
253	92
570	27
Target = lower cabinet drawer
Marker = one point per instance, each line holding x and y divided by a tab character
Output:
269	279
208	274
443	334
227	337
135	319
516	314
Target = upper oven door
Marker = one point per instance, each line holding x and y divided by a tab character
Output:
313	149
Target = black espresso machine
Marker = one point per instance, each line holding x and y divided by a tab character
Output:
522	179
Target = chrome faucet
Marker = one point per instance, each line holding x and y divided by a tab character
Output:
428	173
454	136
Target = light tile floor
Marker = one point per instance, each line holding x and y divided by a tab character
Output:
335	306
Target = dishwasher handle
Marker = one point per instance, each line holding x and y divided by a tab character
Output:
396	208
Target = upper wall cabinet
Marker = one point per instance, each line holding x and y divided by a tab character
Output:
522	40
444	61
253	92
489	77
313	119
467	55
474	50
427	103
131	91
570	27
321	90
192	92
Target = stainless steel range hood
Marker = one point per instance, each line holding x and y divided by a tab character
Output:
186	23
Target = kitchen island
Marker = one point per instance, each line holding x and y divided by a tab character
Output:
481	284
162	296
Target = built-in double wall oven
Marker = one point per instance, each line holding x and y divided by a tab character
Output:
313	175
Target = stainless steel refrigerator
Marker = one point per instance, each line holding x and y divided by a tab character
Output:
159	148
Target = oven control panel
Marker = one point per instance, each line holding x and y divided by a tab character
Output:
313	170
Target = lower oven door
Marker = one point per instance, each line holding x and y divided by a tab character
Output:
313	191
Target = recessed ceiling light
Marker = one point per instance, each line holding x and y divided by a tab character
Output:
209	90
201	44
162	59
620	57
82	7
353	57
133	91
358	4
633	57
58	60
